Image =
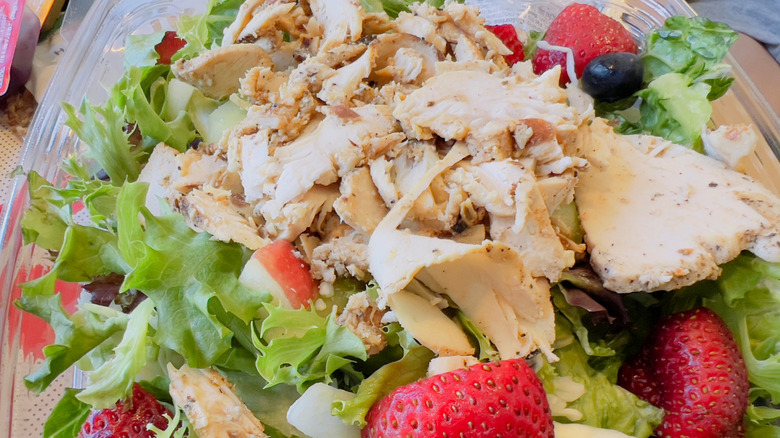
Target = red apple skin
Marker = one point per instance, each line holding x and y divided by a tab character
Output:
170	44
292	274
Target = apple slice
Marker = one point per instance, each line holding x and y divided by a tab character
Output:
278	269
429	325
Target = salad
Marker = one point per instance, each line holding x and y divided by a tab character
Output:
294	215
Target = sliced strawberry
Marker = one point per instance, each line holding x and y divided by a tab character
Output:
128	419
691	367
168	47
508	34
589	34
278	269
501	399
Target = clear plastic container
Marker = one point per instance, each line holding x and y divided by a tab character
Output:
94	62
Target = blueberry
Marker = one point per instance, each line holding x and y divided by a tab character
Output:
613	76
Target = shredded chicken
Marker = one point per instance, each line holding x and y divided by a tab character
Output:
341	19
730	144
161	173
211	405
364	319
518	214
343	255
339	88
483	109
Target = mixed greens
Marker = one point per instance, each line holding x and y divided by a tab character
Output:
197	312
684	72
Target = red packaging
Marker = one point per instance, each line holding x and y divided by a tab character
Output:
10	22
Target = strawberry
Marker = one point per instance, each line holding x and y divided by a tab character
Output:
508	34
128	419
170	44
589	34
691	367
500	399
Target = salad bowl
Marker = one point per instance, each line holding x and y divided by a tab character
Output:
96	60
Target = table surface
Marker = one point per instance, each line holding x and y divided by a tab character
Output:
760	67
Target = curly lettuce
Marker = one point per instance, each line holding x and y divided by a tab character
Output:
301	347
191	279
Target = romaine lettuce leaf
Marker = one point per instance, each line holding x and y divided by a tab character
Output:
86	253
187	276
675	109
182	270
671	107
749	302
604	404
694	47
98	197
683	73
45	222
142	93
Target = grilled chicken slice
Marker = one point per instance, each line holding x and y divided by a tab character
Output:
262	20
518	214
658	216
223	215
217	72
484	109
245	13
360	205
210	404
